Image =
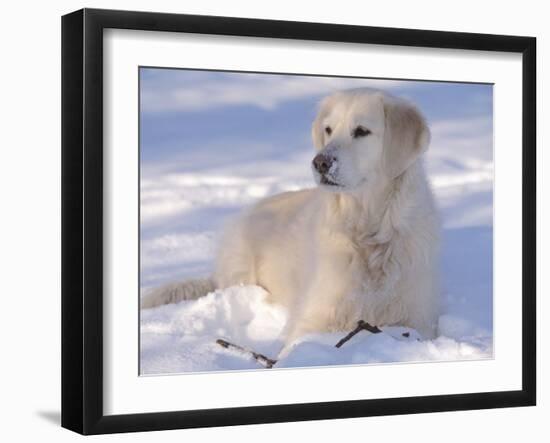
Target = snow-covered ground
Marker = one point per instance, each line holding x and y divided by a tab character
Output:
184	204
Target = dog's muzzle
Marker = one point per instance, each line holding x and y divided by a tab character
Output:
322	163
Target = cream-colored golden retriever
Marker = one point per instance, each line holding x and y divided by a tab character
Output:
361	245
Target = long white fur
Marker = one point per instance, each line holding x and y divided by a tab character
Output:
366	249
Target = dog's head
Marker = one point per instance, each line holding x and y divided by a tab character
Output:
363	136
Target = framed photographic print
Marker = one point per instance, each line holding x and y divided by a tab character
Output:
269	221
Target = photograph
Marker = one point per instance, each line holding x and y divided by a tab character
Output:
289	220
277	221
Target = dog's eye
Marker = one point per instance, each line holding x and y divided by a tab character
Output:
360	131
328	130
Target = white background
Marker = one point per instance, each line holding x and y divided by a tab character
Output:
30	235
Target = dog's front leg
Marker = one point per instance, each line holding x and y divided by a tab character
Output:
319	307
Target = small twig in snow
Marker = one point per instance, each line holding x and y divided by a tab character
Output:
361	325
260	358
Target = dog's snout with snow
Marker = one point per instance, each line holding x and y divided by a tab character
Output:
323	163
326	166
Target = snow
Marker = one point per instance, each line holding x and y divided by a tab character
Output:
182	337
185	203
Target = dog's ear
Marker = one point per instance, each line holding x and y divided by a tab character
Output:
406	136
317	132
317	128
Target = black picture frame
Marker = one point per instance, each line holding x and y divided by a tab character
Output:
82	220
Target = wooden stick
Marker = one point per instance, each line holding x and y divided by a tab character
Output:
361	325
268	363
260	358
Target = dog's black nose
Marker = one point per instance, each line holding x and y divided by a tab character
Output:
322	163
